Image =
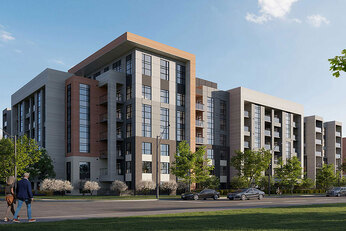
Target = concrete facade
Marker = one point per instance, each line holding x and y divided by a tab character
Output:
6	122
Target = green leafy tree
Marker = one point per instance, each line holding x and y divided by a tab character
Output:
251	164
28	153
338	63
307	183
190	167
325	178
289	174
211	182
263	183
238	182
43	169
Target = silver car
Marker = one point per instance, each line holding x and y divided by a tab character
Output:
336	192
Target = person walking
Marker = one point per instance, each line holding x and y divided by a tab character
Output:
9	197
24	194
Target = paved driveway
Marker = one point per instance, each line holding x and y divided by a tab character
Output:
63	210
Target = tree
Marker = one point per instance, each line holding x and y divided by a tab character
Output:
325	178
338	63
119	186
212	182
91	186
289	174
307	183
28	153
238	182
251	164
42	169
190	167
263	183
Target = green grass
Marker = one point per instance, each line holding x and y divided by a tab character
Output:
88	197
314	217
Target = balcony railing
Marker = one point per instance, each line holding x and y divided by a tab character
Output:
246	129
199	140
338	145
267	118
119	98
338	134
338	156
276	148
294	124
293	137
246	144
103	99
119	116
318	153
267	146
199	123
199	106
246	114
276	120
267	132
318	129
318	141
277	134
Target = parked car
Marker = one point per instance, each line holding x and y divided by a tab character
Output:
204	194
246	194
336	192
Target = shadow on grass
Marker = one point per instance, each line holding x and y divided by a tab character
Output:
314	217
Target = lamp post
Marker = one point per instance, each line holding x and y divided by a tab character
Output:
158	140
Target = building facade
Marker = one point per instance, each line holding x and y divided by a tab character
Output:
6	122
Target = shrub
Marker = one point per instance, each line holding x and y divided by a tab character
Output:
169	186
238	182
118	186
212	182
54	185
146	186
91	186
182	186
307	183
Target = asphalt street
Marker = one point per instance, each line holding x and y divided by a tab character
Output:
48	210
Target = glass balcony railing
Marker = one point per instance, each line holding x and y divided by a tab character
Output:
199	123
246	114
199	106
276	148
338	156
318	153
267	146
267	118
277	120
318	141
199	140
318	129
277	134
338	145
267	132
246	129
338	134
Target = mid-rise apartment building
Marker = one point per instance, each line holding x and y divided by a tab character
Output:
258	120
333	143
6	122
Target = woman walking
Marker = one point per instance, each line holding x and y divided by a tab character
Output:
10	197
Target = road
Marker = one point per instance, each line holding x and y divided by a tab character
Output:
64	210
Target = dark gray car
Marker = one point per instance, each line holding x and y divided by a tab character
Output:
336	192
204	194
246	194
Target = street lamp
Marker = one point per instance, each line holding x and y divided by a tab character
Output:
15	152
158	140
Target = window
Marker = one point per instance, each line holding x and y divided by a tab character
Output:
223	155
164	149
128	92
223	171
146	167
180	100
129	65
210	154
164	125
128	149
164	168
146	148
164	69
288	125
222	124
84	118
257	123
39	116
146	92
210	120
180	71
117	66
223	115
146	64
288	150
164	96
128	167
68	129
106	69
84	170
223	140
128	130
120	168
146	120
129	111
180	125
68	171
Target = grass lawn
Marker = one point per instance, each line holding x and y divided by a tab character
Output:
314	217
88	197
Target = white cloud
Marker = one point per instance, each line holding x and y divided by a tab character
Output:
270	9
317	20
58	61
6	36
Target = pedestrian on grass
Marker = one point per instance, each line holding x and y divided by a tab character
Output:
9	197
24	194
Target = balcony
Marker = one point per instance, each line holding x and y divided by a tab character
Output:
103	118
318	129
267	146
276	160
318	141
294	124
276	134
246	114
338	156
5	124
199	106
318	153
199	140
277	120
267	133
103	136
276	148
199	123
293	137
267	118
103	99
338	145
338	134
119	98
246	144
319	165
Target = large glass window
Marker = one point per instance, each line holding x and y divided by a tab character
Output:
288	125
84	118
128	130
146	64
129	111
257	126
128	167
129	65
180	125
164	125
223	140
164	168
128	92
164	149
180	100
69	132
164	69
68	171
164	96
180	71
146	167
84	170
210	120
223	115
210	154
146	120
146	92
147	148
288	150
39	116
117	66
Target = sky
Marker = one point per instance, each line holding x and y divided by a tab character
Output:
279	47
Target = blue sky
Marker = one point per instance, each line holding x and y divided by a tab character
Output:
279	47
